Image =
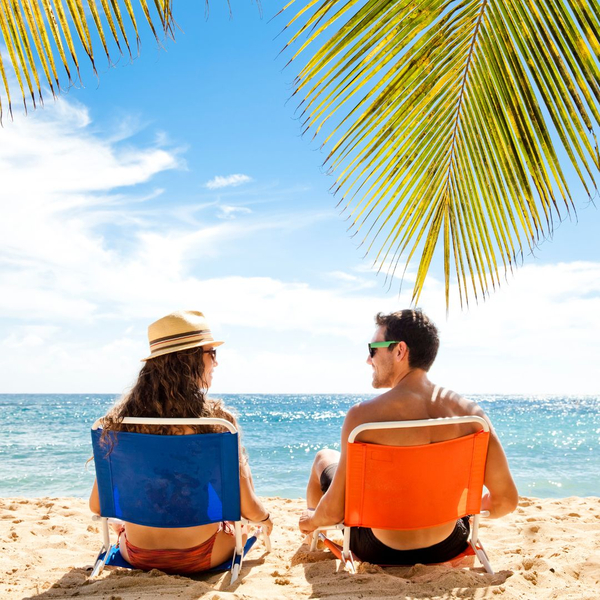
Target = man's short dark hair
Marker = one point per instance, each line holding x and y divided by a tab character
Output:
414	329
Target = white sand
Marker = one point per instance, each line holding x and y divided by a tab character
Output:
546	549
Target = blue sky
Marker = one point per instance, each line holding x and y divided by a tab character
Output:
182	181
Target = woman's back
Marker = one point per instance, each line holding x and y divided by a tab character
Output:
173	383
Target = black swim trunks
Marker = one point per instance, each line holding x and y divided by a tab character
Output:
327	476
368	548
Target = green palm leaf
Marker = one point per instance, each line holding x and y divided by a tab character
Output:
36	32
453	120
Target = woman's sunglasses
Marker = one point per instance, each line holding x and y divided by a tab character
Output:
212	352
374	345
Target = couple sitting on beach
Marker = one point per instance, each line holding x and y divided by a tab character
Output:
174	382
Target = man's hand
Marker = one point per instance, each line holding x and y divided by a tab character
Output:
306	521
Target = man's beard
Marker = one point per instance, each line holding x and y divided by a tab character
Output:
379	380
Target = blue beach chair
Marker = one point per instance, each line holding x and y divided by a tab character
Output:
169	481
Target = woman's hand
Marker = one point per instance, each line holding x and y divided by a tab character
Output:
267	525
306	521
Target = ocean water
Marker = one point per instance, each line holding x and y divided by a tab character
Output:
552	443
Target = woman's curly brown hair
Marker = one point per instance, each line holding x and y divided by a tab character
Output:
169	386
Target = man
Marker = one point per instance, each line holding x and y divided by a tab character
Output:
401	352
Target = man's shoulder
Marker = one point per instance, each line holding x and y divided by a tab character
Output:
374	409
406	404
360	413
367	406
451	401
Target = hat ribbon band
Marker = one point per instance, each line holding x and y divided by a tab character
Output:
180	338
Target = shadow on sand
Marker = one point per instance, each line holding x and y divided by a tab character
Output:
328	578
123	584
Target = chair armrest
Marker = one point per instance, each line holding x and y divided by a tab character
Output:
260	532
313	544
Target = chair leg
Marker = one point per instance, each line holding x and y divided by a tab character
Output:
346	551
482	556
238	554
235	568
267	541
106	548
99	563
478	547
347	557
315	538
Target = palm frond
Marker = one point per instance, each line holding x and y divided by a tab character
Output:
36	33
454	120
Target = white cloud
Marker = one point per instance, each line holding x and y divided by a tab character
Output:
55	173
293	337
29	336
93	164
538	334
349	280
342	276
227	181
76	305
230	212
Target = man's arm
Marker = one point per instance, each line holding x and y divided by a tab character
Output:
502	497
330	509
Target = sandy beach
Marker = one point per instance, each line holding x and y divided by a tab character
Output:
545	549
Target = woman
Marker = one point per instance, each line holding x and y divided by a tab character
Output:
173	383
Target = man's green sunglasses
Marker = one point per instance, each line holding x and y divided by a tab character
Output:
374	345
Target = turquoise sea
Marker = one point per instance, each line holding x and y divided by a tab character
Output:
552	443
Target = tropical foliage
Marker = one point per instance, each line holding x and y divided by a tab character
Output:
44	29
458	122
444	120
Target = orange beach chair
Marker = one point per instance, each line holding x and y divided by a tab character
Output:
413	487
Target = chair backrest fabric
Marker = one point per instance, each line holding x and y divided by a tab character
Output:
414	487
168	480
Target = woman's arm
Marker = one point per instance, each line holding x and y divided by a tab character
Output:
251	505
95	499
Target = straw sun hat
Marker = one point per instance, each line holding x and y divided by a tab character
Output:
180	330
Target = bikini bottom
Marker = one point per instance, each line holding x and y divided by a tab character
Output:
180	560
